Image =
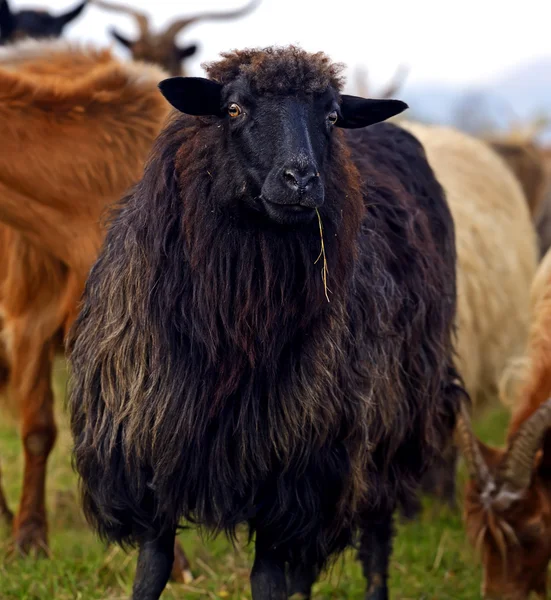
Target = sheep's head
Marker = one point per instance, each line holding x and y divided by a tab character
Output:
508	508
277	110
34	23
162	48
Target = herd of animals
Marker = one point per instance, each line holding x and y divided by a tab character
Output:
281	306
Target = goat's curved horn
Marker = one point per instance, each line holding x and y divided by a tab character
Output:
141	18
395	83
7	22
67	17
518	462
467	442
174	29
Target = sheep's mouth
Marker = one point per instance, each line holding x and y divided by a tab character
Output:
292	212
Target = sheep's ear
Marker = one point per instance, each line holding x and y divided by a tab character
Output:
187	51
361	112
193	95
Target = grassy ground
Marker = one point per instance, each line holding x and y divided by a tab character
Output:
431	560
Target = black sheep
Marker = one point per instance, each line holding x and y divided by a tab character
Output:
267	335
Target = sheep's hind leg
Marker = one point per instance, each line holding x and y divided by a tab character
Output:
268	573
154	566
375	550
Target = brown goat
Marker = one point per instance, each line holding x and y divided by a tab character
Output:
508	497
532	166
543	218
525	159
161	48
76	126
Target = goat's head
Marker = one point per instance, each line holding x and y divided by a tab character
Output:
162	48
277	111
34	23
508	507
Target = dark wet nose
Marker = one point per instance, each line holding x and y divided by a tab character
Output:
300	180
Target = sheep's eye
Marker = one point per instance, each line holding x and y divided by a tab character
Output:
332	117
234	110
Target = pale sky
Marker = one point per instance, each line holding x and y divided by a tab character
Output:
466	41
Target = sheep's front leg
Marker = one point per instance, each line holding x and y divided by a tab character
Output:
375	551
301	580
268	572
439	480
154	566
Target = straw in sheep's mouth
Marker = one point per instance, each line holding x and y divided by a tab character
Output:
322	254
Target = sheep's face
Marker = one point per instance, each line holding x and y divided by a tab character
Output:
512	532
281	141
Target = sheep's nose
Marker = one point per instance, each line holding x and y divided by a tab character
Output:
299	180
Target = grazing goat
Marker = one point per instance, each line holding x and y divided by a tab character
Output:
76	126
507	507
161	48
34	23
496	262
266	337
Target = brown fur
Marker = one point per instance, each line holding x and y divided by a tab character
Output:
515	538
76	126
514	541
527	163
543	218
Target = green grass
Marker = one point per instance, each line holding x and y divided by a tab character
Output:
431	561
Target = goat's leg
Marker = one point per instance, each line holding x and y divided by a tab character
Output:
181	571
301	580
375	549
4	365
31	382
5	512
154	566
268	573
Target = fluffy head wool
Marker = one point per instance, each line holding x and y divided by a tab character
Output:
278	70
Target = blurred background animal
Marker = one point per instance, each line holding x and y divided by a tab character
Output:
527	159
34	23
161	48
496	262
